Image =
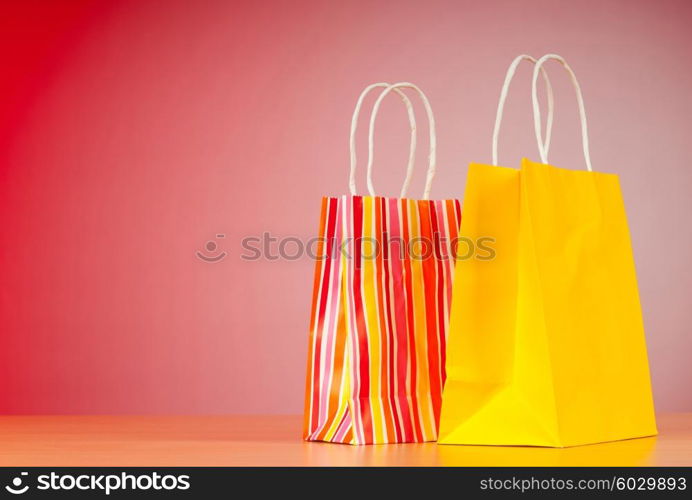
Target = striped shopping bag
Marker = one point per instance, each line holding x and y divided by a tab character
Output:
380	307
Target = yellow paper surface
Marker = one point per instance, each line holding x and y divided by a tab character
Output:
546	342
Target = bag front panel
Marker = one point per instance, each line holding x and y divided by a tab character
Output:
591	304
396	264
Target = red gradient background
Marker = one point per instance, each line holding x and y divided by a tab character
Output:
132	132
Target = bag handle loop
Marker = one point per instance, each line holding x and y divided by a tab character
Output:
503	98
354	126
432	157
580	102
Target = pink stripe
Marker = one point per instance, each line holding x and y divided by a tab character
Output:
401	361
343	428
335	295
445	253
353	325
396	267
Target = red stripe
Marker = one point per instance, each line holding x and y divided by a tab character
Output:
430	310
416	427
386	223
391	419
457	204
363	390
402	347
439	301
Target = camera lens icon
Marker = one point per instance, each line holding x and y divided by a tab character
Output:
211	252
16	487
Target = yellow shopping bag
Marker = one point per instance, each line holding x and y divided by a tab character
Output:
546	343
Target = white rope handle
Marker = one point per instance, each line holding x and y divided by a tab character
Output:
432	157
354	126
537	109
503	97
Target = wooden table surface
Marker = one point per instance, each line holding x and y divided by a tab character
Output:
276	441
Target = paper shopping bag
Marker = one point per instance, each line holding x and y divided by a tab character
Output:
546	343
381	296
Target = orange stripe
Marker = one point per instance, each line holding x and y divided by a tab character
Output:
380	219
315	291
